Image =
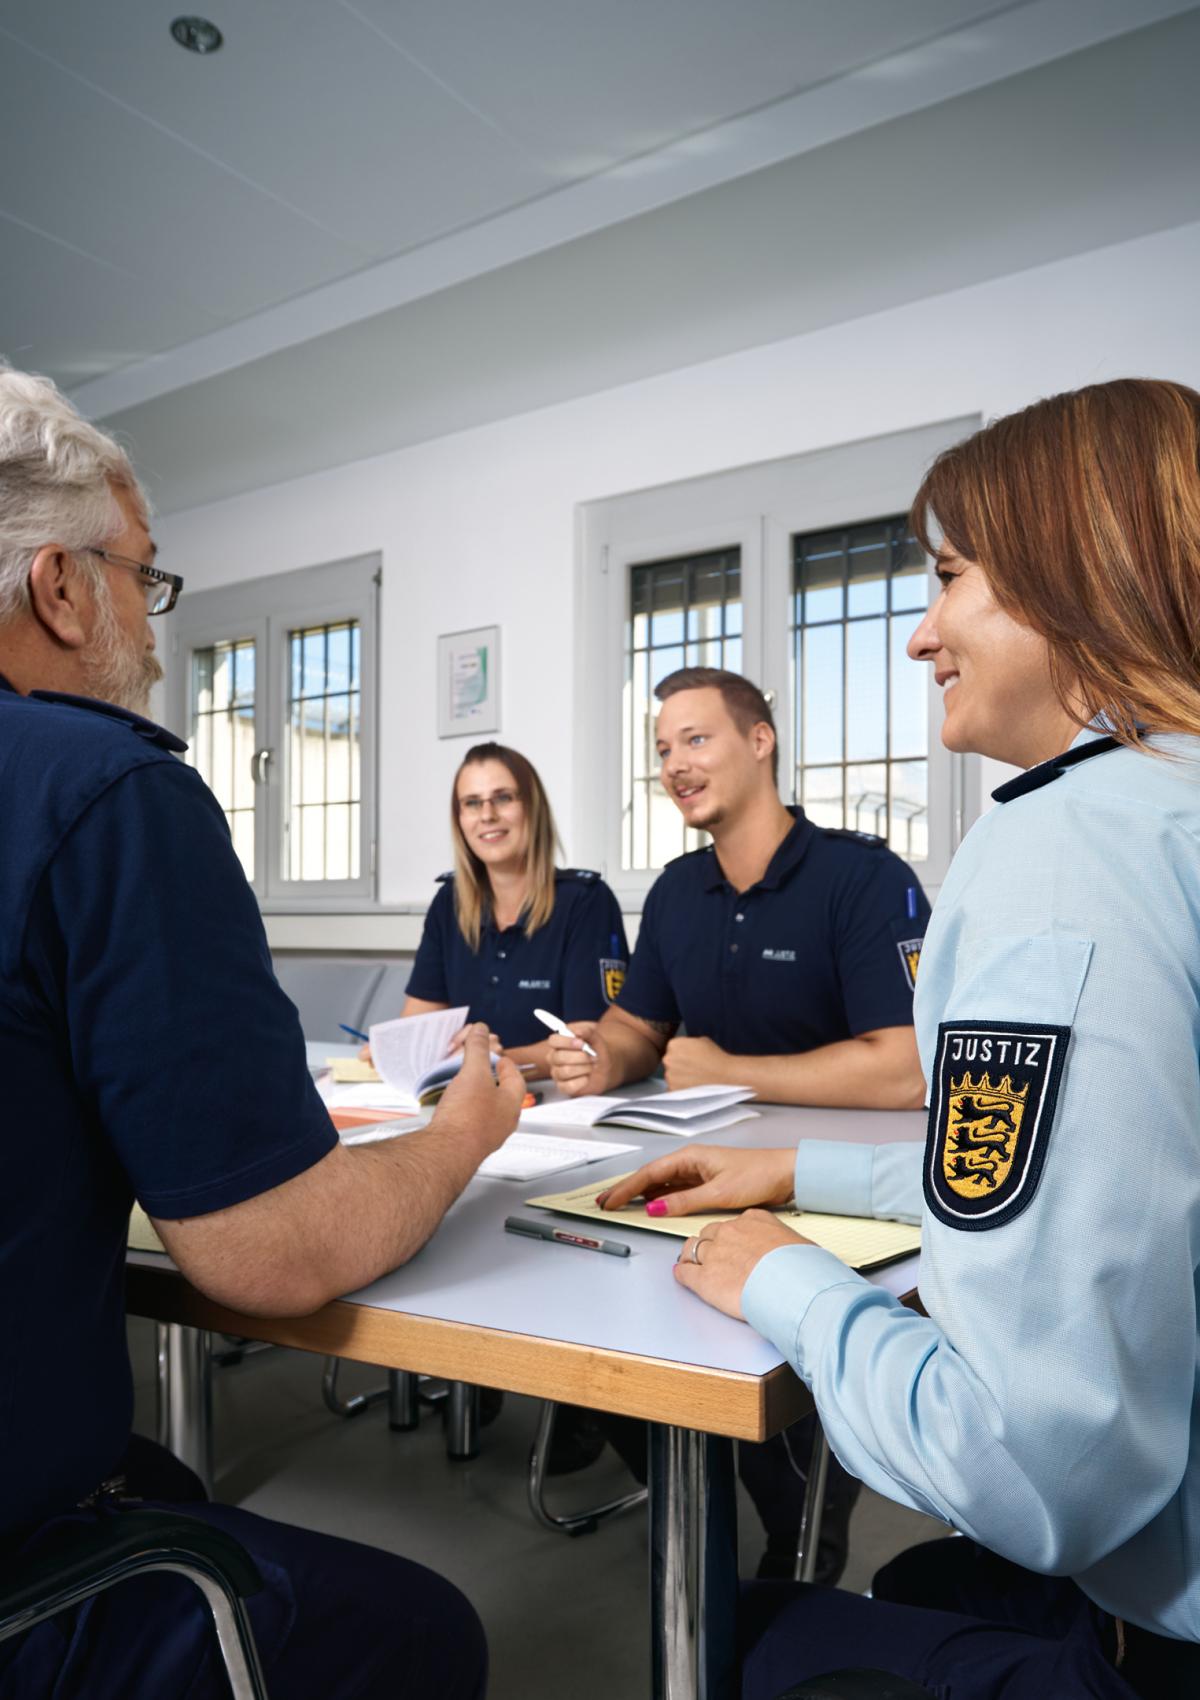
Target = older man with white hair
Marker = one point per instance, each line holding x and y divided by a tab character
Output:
147	1051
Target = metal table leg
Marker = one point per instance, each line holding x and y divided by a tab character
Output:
185	1397
462	1422
693	1566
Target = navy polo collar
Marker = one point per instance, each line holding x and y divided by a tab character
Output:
1046	772
148	729
788	856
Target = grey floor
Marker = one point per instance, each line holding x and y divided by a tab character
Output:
562	1616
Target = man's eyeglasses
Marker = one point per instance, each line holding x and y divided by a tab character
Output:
161	589
474	806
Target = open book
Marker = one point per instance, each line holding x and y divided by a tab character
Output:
690	1110
410	1055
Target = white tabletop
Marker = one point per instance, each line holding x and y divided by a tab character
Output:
473	1272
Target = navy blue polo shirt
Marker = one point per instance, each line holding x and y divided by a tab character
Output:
573	966
146	1050
822	948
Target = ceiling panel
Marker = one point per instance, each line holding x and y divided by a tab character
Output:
115	187
305	100
588	85
43	327
1088	151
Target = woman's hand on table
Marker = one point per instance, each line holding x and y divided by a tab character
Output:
717	1264
701	1178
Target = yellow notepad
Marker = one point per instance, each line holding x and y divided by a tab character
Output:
858	1240
142	1235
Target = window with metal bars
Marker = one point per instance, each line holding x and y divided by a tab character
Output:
325	758
860	707
683	612
273	684
221	743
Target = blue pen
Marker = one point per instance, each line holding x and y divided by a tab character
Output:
354	1033
614	944
911	900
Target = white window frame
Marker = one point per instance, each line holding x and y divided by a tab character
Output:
268	609
757	509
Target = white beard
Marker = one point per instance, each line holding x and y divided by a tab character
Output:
118	670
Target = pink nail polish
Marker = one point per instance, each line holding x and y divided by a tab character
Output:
656	1207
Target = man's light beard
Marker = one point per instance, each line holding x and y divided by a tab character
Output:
118	669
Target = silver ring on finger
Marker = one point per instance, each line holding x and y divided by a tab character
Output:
694	1249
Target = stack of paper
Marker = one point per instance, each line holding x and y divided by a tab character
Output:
690	1110
522	1157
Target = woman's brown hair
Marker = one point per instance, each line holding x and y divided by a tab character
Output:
472	890
1084	512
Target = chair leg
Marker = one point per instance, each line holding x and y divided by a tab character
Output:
185	1397
575	1523
462	1422
354	1406
814	1505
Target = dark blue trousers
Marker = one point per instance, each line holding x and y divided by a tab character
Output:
948	1615
334	1621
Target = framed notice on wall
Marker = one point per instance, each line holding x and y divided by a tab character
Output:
468	677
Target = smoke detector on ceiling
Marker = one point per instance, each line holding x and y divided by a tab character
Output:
197	35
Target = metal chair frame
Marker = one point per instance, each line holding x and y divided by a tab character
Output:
92	1565
576	1522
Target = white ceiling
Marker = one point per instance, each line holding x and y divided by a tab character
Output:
388	183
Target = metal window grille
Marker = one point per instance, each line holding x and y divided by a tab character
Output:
684	612
860	713
324	730
221	741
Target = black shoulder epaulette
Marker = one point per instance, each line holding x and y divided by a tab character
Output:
849	832
148	729
1046	772
442	878
576	874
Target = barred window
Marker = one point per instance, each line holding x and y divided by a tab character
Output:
221	738
684	612
860	715
324	775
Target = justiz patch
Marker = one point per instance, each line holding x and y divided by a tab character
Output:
990	1118
612	978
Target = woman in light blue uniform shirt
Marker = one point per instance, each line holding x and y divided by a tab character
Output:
1047	1406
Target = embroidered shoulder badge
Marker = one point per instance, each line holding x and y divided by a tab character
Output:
910	958
612	978
995	1090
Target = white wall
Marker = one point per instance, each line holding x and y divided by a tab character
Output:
480	527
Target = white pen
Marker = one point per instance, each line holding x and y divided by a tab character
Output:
557	1025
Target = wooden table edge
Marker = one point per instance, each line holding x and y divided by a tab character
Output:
696	1396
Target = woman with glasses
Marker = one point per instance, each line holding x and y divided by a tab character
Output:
508	932
1048	1405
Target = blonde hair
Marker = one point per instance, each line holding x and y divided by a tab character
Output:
472	889
1084	513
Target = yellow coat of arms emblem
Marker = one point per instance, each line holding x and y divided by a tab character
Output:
982	1132
993	1095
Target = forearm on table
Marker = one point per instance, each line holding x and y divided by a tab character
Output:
635	1045
873	1072
356	1214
